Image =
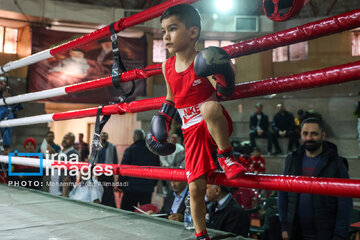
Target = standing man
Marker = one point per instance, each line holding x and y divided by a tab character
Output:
308	216
259	127
283	126
49	145
139	190
68	153
107	154
175	159
83	148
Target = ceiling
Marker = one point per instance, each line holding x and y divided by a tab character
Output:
316	8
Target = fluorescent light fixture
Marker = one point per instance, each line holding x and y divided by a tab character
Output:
56	26
70	29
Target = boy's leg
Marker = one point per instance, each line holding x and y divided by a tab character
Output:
218	128
197	189
216	123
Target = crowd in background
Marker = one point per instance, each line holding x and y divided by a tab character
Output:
228	209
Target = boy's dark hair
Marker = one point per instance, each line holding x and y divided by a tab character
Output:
186	13
313	120
256	149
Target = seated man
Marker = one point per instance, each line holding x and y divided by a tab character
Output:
259	127
283	126
174	202
224	213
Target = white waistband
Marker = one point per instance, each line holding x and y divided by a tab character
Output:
192	115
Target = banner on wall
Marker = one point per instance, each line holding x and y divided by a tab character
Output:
88	62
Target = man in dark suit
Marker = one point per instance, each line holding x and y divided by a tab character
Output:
139	190
283	125
224	213
174	202
259	127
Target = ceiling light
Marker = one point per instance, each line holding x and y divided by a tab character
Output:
223	5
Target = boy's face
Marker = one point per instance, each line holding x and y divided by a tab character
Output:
176	36
256	153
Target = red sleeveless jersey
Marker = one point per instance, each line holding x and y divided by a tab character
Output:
187	88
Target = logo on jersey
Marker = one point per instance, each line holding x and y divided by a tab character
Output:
190	113
196	82
188	173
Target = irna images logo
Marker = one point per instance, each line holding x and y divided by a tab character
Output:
32	155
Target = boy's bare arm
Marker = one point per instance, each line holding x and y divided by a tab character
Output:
169	95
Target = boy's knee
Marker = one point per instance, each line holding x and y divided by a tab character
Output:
210	109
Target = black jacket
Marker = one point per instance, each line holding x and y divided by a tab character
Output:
331	214
230	217
264	122
138	154
166	208
283	122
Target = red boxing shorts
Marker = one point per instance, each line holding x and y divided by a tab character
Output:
199	145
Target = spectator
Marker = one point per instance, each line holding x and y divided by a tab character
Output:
176	158
259	127
30	145
283	126
174	204
271	226
299	118
33	182
173	160
307	216
108	154
357	115
256	163
68	153
139	190
7	112
6	150
224	213
84	190
4	167
48	145
83	148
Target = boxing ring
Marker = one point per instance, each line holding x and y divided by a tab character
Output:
31	214
311	79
